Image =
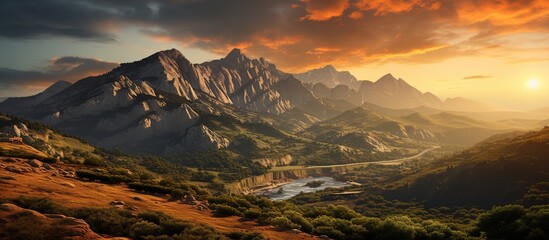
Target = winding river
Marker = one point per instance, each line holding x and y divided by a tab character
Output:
295	187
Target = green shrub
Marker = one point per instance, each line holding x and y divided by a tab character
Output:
514	222
245	236
92	161
112	221
283	223
203	176
222	210
252	213
149	216
151	188
298	219
102	176
330	232
177	194
144	228
43	205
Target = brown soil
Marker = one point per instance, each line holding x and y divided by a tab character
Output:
94	194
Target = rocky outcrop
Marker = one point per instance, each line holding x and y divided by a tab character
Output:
198	138
56	226
32	138
273	162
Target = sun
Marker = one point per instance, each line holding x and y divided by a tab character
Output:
533	84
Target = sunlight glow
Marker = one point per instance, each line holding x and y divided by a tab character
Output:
533	84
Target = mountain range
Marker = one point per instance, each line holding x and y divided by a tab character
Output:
165	104
390	92
159	100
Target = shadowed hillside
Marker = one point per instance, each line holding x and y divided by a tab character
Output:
504	169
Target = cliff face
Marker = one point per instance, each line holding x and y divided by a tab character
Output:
153	105
273	162
275	177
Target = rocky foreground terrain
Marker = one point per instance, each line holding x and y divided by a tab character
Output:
57	182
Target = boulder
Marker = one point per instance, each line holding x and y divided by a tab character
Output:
68	184
47	166
65	227
14	169
117	203
34	163
10	160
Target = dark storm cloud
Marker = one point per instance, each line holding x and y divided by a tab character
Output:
296	34
64	68
55	18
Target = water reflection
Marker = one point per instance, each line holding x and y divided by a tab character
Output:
295	187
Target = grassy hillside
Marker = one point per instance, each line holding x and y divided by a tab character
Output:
363	129
503	169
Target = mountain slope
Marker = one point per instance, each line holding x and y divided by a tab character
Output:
329	76
155	104
363	129
13	104
396	93
504	169
387	92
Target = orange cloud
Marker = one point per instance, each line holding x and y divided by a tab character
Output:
502	12
297	34
322	10
384	7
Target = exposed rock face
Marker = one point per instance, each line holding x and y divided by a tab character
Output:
273	162
29	137
198	138
154	104
56	225
34	163
329	76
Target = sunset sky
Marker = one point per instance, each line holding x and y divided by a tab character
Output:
494	51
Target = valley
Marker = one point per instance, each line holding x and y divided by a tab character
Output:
191	147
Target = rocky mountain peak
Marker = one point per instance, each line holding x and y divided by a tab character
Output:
53	89
171	53
236	57
329	67
387	78
59	84
329	76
